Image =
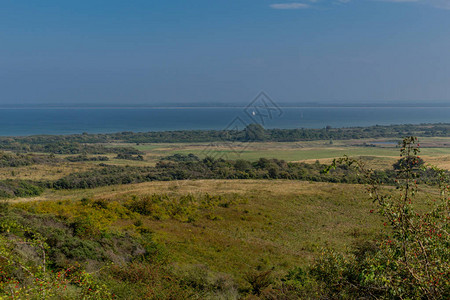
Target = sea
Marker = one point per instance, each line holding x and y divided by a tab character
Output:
49	121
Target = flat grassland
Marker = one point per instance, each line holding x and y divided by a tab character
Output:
382	152
379	153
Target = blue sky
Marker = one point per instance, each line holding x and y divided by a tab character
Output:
124	52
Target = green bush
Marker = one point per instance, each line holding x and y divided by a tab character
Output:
412	260
19	188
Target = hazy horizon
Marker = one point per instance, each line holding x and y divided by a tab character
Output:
212	104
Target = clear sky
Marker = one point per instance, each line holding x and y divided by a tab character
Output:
146	51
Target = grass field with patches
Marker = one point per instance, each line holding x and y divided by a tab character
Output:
436	150
275	223
381	155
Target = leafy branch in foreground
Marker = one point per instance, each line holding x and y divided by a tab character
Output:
413	260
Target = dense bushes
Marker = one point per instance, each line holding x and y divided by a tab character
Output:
107	175
59	146
181	157
127	156
84	157
189	167
46	255
183	167
101	249
19	188
19	160
27	262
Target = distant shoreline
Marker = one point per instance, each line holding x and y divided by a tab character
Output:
25	121
188	131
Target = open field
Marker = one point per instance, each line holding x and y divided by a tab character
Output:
43	171
277	223
434	150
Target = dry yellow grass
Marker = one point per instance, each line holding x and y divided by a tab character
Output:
442	162
43	171
280	187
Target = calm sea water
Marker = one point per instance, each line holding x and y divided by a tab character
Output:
15	122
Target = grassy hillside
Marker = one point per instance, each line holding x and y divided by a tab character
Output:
197	239
282	223
229	228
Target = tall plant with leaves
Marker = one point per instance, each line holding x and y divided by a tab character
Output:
413	260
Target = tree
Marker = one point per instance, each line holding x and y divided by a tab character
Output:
255	132
413	162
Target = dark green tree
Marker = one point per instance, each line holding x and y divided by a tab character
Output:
255	132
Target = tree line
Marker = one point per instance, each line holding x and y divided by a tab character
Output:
191	167
20	160
79	143
59	145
